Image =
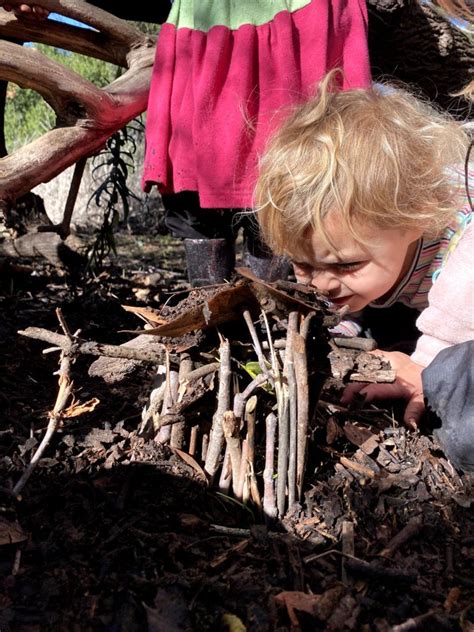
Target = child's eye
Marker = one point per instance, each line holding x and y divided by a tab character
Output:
349	267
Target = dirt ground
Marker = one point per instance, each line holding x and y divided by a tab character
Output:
114	532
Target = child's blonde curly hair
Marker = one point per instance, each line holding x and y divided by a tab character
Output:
378	156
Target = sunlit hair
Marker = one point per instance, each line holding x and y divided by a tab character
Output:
456	8
378	157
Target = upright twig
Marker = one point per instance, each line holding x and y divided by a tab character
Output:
289	374
230	427
269	501
281	393
348	548
262	361
185	368
170	398
301	373
216	438
151	412
250	410
242	482
283	445
241	398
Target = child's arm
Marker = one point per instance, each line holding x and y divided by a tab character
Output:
449	317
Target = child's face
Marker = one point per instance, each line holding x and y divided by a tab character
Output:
355	274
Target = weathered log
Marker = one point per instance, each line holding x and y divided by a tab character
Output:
68	253
86	115
415	43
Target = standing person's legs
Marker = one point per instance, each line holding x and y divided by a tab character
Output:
257	256
207	234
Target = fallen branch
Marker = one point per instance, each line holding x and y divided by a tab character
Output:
81	347
62	399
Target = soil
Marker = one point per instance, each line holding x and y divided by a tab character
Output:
114	532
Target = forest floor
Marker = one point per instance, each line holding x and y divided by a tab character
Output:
114	532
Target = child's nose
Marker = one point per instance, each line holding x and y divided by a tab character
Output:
325	282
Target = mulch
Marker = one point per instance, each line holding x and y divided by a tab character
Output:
114	532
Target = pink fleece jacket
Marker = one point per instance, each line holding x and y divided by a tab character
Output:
449	317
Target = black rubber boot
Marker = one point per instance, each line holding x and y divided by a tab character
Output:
209	261
268	268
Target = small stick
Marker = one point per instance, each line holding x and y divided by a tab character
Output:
415	623
16	563
278	344
185	368
202	371
193	440
378	377
411	529
269	503
289	374
306	324
231	531
347	547
231	433
357	467
262	361
204	446
216	439
362	568
241	398
355	342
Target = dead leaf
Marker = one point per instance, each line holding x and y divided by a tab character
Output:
226	305
283	297
333	430
11	532
76	410
148	314
294	600
357	435
187	458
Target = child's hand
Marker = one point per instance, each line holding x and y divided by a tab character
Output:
30	11
408	385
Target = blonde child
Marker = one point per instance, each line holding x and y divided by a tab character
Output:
358	188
